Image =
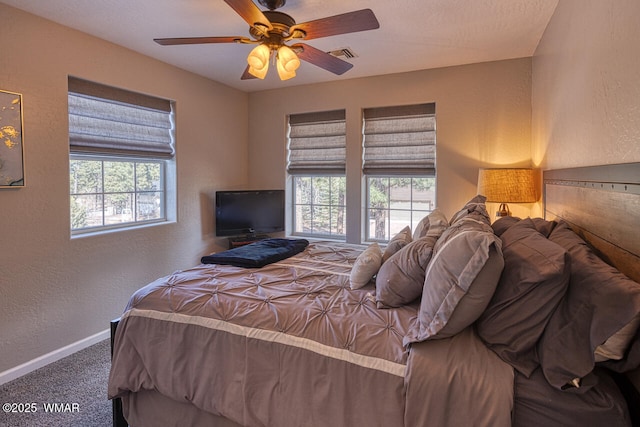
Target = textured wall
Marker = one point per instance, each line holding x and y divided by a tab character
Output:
483	114
578	107
55	290
586	85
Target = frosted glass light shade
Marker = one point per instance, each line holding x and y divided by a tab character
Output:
288	58
283	73
287	63
258	61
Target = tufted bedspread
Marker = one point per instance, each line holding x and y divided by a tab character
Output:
290	344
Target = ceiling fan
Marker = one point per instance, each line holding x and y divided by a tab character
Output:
272	30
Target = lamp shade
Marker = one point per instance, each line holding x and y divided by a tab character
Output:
509	185
258	61
287	63
288	58
283	73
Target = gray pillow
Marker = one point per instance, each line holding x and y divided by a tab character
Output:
397	242
502	224
433	224
534	280
401	277
599	302
475	207
459	281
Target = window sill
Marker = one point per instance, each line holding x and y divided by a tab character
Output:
103	231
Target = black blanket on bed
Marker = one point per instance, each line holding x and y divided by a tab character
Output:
258	254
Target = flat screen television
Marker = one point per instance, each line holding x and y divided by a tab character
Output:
249	212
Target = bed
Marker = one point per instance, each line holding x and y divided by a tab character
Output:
458	322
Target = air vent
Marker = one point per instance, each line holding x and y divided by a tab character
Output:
346	52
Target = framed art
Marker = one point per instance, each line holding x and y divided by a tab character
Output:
11	150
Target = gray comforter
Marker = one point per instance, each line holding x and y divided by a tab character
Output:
290	344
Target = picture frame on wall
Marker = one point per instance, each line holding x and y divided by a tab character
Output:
11	140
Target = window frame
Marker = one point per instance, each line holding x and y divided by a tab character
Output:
135	222
294	204
415	215
109	124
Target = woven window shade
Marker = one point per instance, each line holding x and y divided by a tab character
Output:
509	185
107	120
400	140
317	143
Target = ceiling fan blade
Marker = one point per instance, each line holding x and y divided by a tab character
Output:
249	12
351	22
321	59
199	40
246	75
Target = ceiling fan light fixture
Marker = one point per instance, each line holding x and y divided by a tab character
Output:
261	73
287	62
258	61
288	59
283	73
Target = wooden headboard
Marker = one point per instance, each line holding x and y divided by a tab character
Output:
602	205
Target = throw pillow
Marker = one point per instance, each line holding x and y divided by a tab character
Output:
397	242
365	266
401	277
534	280
459	281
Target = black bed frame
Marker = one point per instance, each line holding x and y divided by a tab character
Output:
116	404
569	195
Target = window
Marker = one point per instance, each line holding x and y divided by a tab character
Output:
320	205
399	167
121	164
316	166
113	192
395	202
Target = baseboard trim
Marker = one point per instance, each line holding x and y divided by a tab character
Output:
39	362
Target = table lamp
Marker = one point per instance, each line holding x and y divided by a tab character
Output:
508	185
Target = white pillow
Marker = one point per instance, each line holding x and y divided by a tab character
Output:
366	266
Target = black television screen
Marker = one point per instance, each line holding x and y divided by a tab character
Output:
249	212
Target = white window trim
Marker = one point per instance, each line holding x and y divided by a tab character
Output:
168	190
291	204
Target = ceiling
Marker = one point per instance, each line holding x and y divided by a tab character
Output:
413	34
